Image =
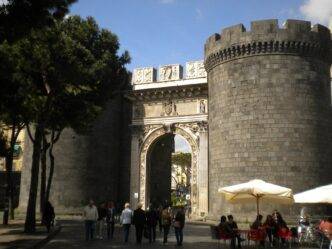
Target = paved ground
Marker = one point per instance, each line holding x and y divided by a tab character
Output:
12	236
72	236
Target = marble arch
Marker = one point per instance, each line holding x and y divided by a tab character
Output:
153	136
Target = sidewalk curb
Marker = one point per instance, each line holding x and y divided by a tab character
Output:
44	241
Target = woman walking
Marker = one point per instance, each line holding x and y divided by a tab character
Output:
179	225
166	220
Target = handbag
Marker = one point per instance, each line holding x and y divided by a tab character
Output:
176	224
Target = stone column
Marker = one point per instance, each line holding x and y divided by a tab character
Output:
134	170
202	171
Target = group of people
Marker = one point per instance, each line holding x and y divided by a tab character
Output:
145	222
273	226
270	227
97	217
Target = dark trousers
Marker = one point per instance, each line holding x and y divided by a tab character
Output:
139	233
166	231
160	226
126	229
179	235
110	230
152	233
234	238
89	229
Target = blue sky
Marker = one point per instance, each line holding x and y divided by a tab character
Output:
158	32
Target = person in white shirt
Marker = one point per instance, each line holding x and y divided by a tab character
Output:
90	216
126	220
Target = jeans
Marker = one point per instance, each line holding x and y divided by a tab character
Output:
139	233
89	229
110	230
126	228
100	226
166	231
152	233
179	235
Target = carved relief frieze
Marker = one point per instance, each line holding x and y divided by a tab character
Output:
169	108
170	72
195	69
144	75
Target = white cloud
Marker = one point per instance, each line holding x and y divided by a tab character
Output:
318	11
166	1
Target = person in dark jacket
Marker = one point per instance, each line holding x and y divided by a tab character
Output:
110	219
48	216
152	220
139	220
179	225
233	225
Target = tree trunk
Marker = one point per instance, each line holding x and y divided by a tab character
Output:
30	219
43	167
50	176
54	139
9	198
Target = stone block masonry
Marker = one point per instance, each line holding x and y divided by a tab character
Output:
269	108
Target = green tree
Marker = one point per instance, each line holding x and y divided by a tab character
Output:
72	70
18	17
12	110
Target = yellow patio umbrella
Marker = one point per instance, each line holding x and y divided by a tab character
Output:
257	190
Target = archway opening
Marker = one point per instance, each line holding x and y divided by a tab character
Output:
169	171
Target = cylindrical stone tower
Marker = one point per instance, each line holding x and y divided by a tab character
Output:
269	109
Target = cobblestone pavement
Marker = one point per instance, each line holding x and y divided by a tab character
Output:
72	236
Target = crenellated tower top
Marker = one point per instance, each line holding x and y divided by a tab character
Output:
266	37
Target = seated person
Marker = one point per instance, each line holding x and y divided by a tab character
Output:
233	225
224	228
326	227
281	226
260	230
257	223
270	227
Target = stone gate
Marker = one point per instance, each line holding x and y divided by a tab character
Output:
170	104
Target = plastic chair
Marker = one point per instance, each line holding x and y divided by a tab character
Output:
285	234
256	235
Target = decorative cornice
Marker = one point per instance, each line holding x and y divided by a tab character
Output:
189	91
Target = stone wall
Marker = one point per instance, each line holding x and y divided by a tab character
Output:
86	166
269	109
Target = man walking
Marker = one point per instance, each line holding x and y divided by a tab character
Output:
110	219
166	220
90	215
139	222
126	219
151	220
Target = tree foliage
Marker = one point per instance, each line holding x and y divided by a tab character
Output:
18	17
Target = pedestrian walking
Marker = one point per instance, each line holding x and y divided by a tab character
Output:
90	216
48	216
102	212
139	221
151	220
110	219
179	225
166	219
160	210
126	219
